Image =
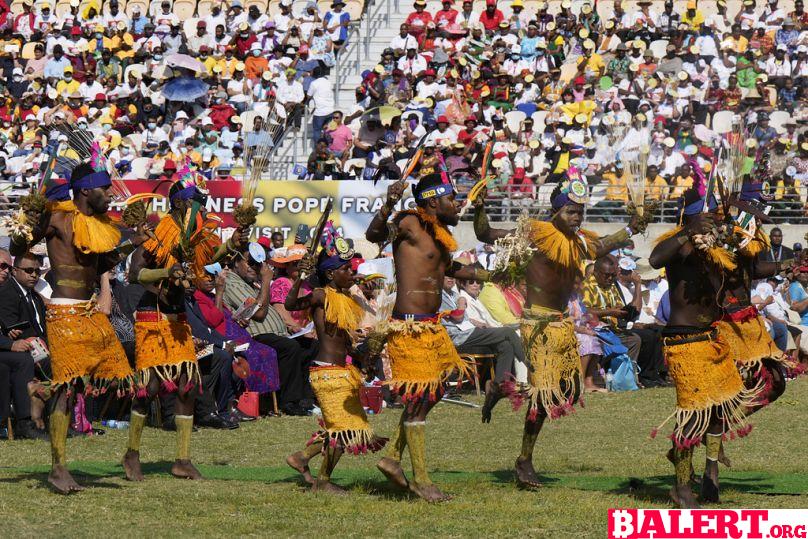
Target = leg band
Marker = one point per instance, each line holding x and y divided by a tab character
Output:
136	423
59	423
185	425
416	441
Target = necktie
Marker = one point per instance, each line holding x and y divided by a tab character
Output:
32	305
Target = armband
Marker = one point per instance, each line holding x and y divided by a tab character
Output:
151	276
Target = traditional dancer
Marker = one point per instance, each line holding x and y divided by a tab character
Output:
711	398
184	241
550	254
83	243
758	359
336	383
421	353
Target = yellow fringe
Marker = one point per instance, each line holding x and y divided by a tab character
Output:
759	244
707	381
91	233
341	310
422	358
434	228
717	256
564	251
668	235
163	246
552	349
344	421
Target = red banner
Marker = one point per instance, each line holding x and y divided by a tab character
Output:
224	196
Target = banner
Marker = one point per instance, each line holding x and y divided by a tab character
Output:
283	205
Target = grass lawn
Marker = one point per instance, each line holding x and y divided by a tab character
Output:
601	457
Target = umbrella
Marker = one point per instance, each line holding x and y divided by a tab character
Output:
184	61
383	114
185	89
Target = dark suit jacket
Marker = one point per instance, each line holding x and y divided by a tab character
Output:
14	308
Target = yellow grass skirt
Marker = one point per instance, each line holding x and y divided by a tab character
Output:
83	344
166	348
555	375
422	357
750	342
707	382
344	422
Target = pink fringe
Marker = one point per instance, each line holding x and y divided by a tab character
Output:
168	386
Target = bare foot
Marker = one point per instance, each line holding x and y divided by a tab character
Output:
709	483
329	487
683	497
430	493
131	465
595	389
185	470
526	475
393	472
62	482
301	464
493	393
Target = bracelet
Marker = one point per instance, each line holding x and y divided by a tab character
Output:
630	232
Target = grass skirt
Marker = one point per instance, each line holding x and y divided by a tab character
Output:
707	382
344	422
83	345
167	347
750	343
555	377
422	357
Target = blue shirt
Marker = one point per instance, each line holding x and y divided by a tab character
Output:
56	68
797	293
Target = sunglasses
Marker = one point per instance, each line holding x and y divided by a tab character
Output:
475	282
31	271
4	266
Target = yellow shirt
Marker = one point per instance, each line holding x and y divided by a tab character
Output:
738	45
595	62
66	88
492	299
656	189
617	190
587	107
696	21
780	191
680	186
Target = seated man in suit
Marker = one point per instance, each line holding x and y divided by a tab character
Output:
20	306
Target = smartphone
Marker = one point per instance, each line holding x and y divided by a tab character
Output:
25	324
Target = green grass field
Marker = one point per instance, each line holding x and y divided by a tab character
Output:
601	457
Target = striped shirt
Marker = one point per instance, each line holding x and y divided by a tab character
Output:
238	290
598	297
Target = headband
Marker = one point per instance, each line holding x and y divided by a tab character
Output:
442	190
332	262
92	180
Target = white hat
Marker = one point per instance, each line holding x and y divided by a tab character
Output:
627	264
255	46
181	115
207	121
17	71
207	154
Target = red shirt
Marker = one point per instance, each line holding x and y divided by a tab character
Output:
491	23
445	16
417	22
220	115
466	138
213	316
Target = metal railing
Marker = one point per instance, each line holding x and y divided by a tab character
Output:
508	202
